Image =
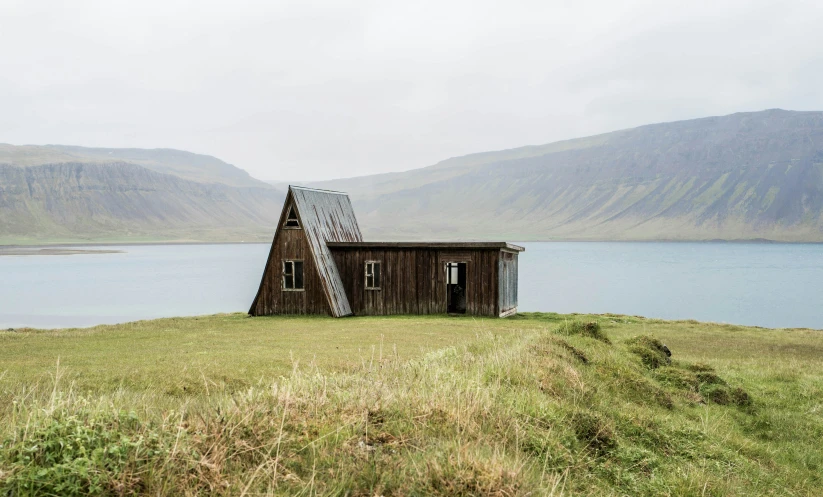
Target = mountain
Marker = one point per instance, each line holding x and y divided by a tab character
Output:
196	167
59	193
756	175
752	175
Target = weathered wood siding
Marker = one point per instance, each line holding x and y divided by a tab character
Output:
290	244
414	280
507	273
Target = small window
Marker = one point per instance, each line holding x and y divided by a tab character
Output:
291	219
452	273
372	275
292	275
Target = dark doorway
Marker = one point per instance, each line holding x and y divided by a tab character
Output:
456	287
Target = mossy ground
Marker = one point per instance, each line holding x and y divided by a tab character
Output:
531	405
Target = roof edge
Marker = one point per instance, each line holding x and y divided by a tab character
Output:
305	188
281	220
464	245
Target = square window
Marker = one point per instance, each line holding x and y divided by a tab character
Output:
292	275
372	275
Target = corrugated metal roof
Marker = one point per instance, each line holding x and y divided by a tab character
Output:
433	245
327	216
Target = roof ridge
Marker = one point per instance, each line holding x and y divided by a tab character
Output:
317	190
431	244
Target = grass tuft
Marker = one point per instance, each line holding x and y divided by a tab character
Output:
651	351
589	329
594	432
717	394
740	397
470	475
574	351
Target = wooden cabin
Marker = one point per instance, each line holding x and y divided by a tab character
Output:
319	264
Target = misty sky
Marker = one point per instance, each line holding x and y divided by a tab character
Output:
313	90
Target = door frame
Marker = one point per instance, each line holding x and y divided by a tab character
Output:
447	264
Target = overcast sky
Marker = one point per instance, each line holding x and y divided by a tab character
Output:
315	90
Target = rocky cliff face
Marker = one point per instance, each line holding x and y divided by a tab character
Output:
123	200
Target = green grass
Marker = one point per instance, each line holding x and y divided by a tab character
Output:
537	404
228	352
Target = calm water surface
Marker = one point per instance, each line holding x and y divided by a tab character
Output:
772	285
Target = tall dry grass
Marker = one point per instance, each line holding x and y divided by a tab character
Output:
531	413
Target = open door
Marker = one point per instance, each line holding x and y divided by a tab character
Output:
456	287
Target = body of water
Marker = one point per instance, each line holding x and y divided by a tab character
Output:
773	285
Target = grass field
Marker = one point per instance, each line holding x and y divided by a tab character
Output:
537	404
182	356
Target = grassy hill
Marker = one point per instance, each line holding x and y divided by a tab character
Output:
75	194
744	176
539	404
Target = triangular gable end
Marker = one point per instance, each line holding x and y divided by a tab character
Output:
324	217
287	204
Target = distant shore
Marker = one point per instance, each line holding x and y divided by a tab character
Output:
12	250
69	245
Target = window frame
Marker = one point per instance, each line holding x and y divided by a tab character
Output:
283	276
453	264
366	274
288	220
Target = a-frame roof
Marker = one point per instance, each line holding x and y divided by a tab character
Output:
327	216
324	216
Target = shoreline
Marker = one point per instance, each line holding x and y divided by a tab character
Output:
28	251
119	244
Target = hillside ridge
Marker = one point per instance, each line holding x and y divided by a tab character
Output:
188	165
752	175
744	176
123	201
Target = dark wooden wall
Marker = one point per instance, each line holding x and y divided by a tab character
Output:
414	280
508	281
290	244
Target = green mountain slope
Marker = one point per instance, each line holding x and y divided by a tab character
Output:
743	176
56	193
195	167
127	202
